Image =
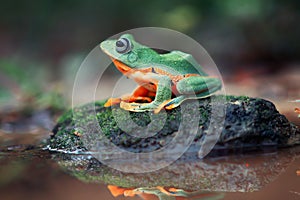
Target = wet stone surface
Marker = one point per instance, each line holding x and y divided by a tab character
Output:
242	173
245	124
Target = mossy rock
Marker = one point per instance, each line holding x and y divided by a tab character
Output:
244	123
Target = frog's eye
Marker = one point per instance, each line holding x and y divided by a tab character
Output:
123	45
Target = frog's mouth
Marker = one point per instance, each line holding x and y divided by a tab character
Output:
121	66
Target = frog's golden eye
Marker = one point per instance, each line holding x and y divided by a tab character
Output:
123	45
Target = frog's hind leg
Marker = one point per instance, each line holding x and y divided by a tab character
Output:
199	86
194	87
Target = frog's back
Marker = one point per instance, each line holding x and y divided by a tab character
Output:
182	63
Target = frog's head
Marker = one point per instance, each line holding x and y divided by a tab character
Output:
128	53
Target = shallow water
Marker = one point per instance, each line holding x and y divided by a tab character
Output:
34	173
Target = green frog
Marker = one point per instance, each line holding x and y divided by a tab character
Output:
164	80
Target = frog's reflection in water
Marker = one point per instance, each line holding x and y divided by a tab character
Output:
161	193
206	179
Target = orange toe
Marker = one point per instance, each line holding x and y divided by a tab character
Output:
170	107
129	193
115	190
112	101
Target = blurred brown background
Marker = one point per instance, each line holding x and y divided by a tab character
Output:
255	44
234	32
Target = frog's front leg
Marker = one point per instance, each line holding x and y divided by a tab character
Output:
163	93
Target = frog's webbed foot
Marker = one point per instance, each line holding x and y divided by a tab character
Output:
153	106
170	103
170	192
138	107
191	195
115	101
